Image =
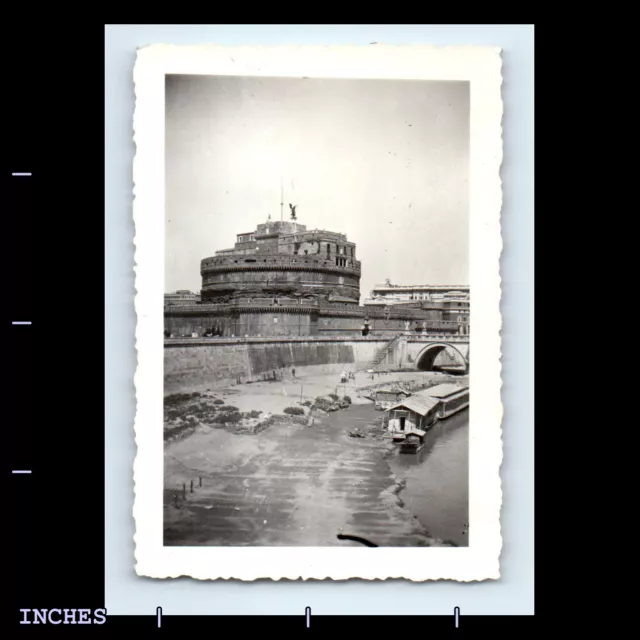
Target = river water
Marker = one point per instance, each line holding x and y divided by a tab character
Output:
437	490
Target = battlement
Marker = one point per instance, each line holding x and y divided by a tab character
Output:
270	262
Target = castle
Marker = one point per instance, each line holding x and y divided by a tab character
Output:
284	260
285	280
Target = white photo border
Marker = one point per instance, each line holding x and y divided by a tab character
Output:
482	67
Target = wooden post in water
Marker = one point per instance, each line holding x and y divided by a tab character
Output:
301	394
191	487
200	479
184	491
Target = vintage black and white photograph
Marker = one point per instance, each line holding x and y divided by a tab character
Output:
310	247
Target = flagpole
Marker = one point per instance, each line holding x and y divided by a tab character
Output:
281	200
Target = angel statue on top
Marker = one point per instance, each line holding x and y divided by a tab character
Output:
293	210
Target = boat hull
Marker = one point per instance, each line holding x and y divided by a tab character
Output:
411	448
447	412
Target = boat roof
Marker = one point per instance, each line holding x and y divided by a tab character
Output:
442	390
394	390
421	405
417	432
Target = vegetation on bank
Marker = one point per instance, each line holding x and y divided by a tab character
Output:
185	412
331	403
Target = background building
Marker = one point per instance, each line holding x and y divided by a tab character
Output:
445	305
388	293
181	297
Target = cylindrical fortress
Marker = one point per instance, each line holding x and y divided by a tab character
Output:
283	259
283	280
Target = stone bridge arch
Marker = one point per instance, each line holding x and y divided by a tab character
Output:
426	357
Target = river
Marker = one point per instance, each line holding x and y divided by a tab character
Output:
437	490
290	485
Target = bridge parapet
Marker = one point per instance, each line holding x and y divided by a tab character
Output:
439	337
214	341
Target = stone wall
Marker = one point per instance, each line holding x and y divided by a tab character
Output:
233	276
290	319
331	325
196	364
243	282
274	322
193	368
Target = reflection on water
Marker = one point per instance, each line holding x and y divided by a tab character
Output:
437	490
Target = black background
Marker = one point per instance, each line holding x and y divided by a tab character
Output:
53	262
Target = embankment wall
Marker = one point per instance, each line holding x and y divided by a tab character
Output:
198	364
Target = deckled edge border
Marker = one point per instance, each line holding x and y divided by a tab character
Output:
136	204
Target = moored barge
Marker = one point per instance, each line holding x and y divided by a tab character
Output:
422	410
452	399
413	441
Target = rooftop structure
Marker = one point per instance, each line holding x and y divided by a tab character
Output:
442	390
181	297
419	404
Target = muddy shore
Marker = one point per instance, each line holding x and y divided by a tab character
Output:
289	483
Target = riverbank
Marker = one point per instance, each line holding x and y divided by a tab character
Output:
288	484
436	481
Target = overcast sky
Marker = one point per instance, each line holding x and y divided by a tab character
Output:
384	161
